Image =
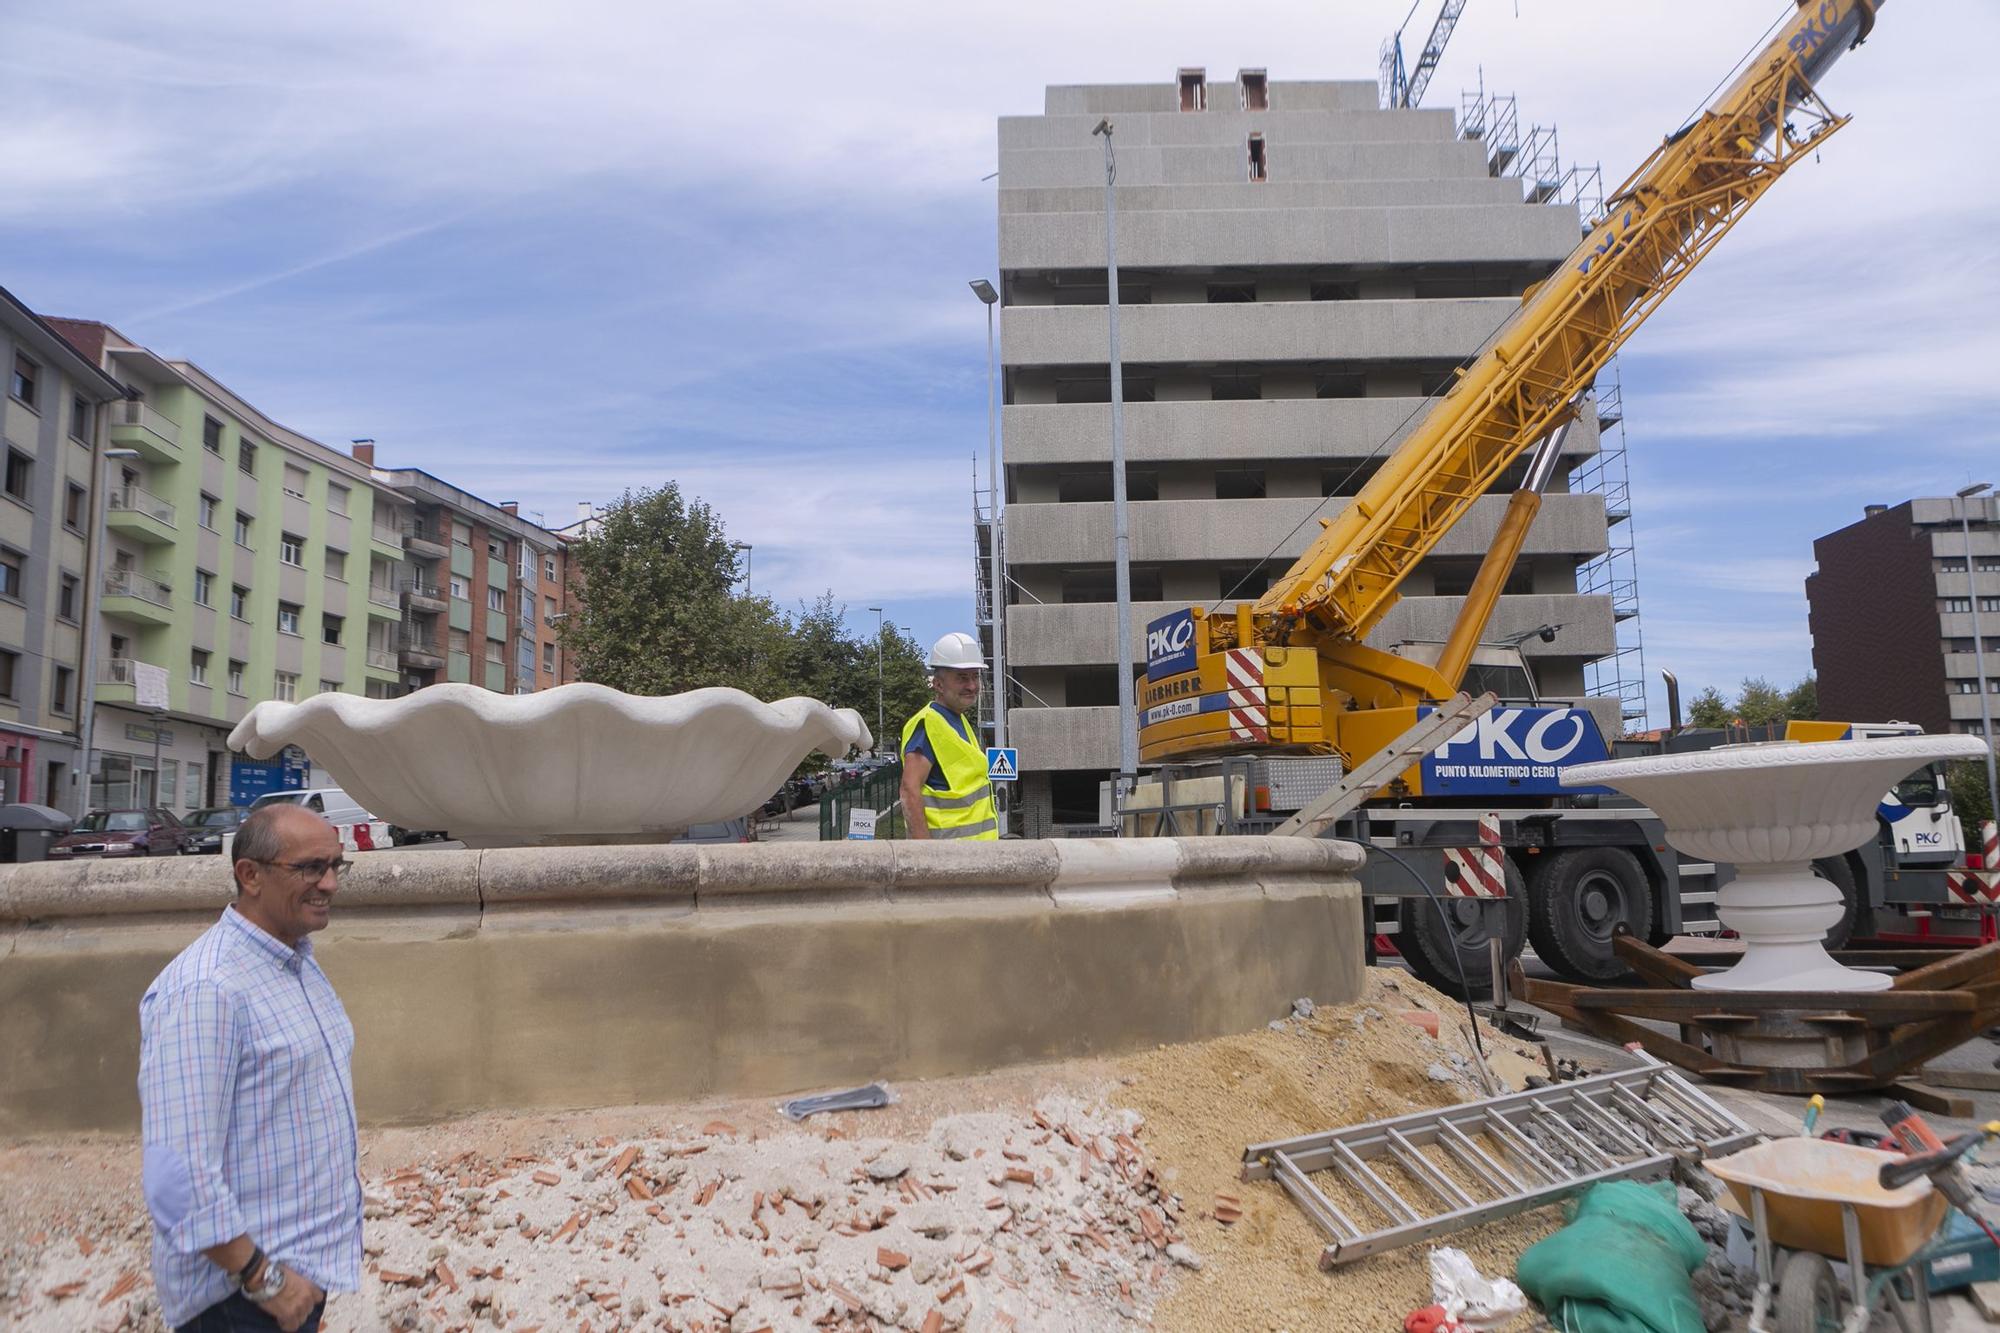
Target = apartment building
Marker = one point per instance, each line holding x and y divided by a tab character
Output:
1299	269
237	568
1892	606
483	589
52	420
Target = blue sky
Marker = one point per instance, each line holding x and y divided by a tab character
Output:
550	252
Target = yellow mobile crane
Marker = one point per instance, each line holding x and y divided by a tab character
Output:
1291	673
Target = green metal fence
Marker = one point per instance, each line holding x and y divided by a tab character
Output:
875	791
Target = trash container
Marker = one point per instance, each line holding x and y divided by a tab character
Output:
28	831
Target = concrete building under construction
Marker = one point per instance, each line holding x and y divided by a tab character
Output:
1299	270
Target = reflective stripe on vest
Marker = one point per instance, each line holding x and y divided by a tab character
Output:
965	809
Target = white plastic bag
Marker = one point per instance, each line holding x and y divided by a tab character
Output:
1469	1298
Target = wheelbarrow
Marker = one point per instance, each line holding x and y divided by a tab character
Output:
1811	1200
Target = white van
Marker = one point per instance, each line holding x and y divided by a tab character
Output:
335	804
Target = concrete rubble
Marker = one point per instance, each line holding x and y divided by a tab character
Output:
1054	1221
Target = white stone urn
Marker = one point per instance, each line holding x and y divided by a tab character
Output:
576	764
1770	810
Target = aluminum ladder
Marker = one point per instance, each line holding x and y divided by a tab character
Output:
1381	768
1555	1141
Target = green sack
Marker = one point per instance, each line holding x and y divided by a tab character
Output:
1620	1266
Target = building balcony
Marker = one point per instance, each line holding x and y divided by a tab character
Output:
425	596
118	681
130	595
137	426
387	536
524	628
419	654
384	601
383	660
425	540
140	515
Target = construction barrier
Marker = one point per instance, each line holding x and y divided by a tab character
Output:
876	791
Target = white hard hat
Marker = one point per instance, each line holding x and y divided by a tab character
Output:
957	650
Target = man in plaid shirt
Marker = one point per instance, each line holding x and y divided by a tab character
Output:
251	1167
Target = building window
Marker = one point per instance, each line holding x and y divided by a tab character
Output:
246	457
1194	90
548	569
1256	89
26	374
458	587
211	435
459	642
235	676
1965	687
1257	157
524	565
10	663
1955	605
336	498
329	686
239	601
193	799
549	658
548	610
74	500
496	599
336	564
19	468
59	691
203	583
1239	484
329	629
68	595
496	548
242	528
198	666
285	687
295	482
527	607
1989	604
1951	565
288	618
461	533
79	418
205	508
292	549
11	564
495	650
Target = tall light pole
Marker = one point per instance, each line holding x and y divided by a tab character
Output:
93	596
1128	718
996	545
878	675
744	547
1965	498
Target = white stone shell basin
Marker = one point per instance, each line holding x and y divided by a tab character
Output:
1777	802
579	762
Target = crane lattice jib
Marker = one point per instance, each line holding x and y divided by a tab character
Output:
1659	223
1427	63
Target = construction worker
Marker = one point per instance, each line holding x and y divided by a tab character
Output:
945	790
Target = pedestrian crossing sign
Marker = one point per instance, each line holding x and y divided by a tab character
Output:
1002	765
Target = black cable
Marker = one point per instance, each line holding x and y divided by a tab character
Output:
1464	987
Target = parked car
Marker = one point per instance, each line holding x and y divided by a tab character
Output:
335	804
722	830
121	833
205	828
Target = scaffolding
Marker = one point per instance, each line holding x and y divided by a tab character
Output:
1614	574
983	577
1493	120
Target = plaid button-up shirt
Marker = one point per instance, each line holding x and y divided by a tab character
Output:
248	1106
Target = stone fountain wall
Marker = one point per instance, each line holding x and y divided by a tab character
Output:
554	978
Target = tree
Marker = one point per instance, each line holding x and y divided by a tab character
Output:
1971	798
1709	709
654	609
1802	701
1761	704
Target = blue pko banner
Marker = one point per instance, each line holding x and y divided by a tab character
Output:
1170	645
1514	750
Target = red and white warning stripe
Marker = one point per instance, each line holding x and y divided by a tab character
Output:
1481	870
369	837
1982	885
1249	715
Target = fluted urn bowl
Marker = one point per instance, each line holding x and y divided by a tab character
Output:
579	763
1771	810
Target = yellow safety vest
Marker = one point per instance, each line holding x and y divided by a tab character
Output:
965	810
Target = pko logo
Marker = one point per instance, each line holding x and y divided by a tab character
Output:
1170	645
1527	736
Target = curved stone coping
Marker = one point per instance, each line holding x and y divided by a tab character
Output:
687	877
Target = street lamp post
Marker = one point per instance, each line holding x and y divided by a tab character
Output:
93	595
748	588
1128	719
878	675
996	544
1965	499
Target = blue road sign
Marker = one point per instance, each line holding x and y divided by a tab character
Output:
1002	765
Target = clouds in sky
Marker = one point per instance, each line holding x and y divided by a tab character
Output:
553	251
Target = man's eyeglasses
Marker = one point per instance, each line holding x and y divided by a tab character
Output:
313	871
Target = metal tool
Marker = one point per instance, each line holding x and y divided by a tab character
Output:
1519	1151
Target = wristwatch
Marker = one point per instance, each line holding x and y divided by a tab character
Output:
272	1284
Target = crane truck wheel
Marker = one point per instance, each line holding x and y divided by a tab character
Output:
1837	872
1428	947
1577	899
